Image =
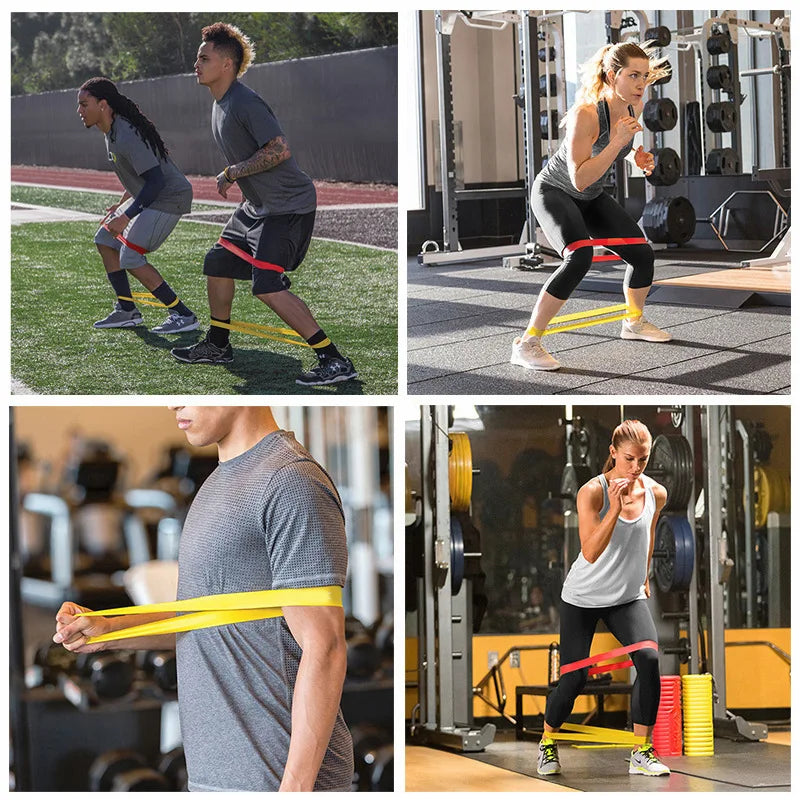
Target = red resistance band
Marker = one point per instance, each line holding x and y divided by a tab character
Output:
135	247
598	242
237	251
587	662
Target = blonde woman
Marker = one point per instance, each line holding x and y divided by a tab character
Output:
617	515
571	206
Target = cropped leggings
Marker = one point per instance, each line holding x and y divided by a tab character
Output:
630	623
565	219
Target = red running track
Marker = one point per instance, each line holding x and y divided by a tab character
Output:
205	188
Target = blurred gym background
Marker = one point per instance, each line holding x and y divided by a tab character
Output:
99	494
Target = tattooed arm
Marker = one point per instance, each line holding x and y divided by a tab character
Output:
274	152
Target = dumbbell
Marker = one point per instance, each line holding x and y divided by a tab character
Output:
48	662
162	667
125	771
368	742
110	674
173	767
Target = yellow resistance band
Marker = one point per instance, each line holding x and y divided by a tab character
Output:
216	609
141	297
586	734
583	319
255	330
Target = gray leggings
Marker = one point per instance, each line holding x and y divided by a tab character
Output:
565	219
630	623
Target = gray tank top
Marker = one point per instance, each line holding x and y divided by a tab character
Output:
556	171
618	575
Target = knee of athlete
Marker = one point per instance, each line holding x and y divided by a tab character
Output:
573	682
646	661
129	259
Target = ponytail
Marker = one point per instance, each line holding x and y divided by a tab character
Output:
104	89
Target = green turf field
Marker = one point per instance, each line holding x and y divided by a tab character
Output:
58	288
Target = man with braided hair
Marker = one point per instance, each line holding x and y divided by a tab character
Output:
156	195
269	233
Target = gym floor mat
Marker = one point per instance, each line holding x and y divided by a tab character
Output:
736	766
462	319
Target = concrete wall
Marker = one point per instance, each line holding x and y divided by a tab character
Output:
339	113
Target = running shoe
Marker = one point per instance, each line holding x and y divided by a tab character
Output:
644	761
328	370
119	318
532	355
644	330
175	323
204	353
548	763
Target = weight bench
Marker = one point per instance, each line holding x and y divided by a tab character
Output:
598	689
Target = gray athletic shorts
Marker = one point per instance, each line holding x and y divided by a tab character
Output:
147	231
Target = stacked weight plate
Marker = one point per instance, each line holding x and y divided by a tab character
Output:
698	715
667	737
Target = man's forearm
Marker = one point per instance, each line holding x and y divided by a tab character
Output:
315	703
274	152
164	641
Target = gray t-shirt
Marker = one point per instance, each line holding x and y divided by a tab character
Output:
268	519
132	156
556	171
241	123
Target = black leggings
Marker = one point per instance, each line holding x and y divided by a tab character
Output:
630	623
565	220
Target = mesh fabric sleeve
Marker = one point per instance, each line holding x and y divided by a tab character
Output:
304	528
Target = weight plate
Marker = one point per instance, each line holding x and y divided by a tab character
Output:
674	565
660	36
667	167
456	555
460	472
721	117
660	114
669	220
672	466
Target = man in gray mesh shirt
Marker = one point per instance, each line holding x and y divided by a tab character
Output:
259	701
270	231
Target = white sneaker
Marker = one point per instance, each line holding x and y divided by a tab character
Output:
531	355
642	329
645	761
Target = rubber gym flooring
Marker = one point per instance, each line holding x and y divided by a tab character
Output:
508	765
463	317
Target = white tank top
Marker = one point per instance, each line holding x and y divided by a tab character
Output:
618	575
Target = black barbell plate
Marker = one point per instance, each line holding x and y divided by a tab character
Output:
141	779
718	43
667	167
660	114
660	36
456	555
722	117
719	77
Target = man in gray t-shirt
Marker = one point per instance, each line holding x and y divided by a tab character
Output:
269	233
156	195
259	701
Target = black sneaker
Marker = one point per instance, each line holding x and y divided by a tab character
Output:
329	370
204	353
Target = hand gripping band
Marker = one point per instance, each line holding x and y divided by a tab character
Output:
216	609
135	247
601	242
620	651
237	251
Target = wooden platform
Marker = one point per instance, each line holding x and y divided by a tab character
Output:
430	770
775	281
